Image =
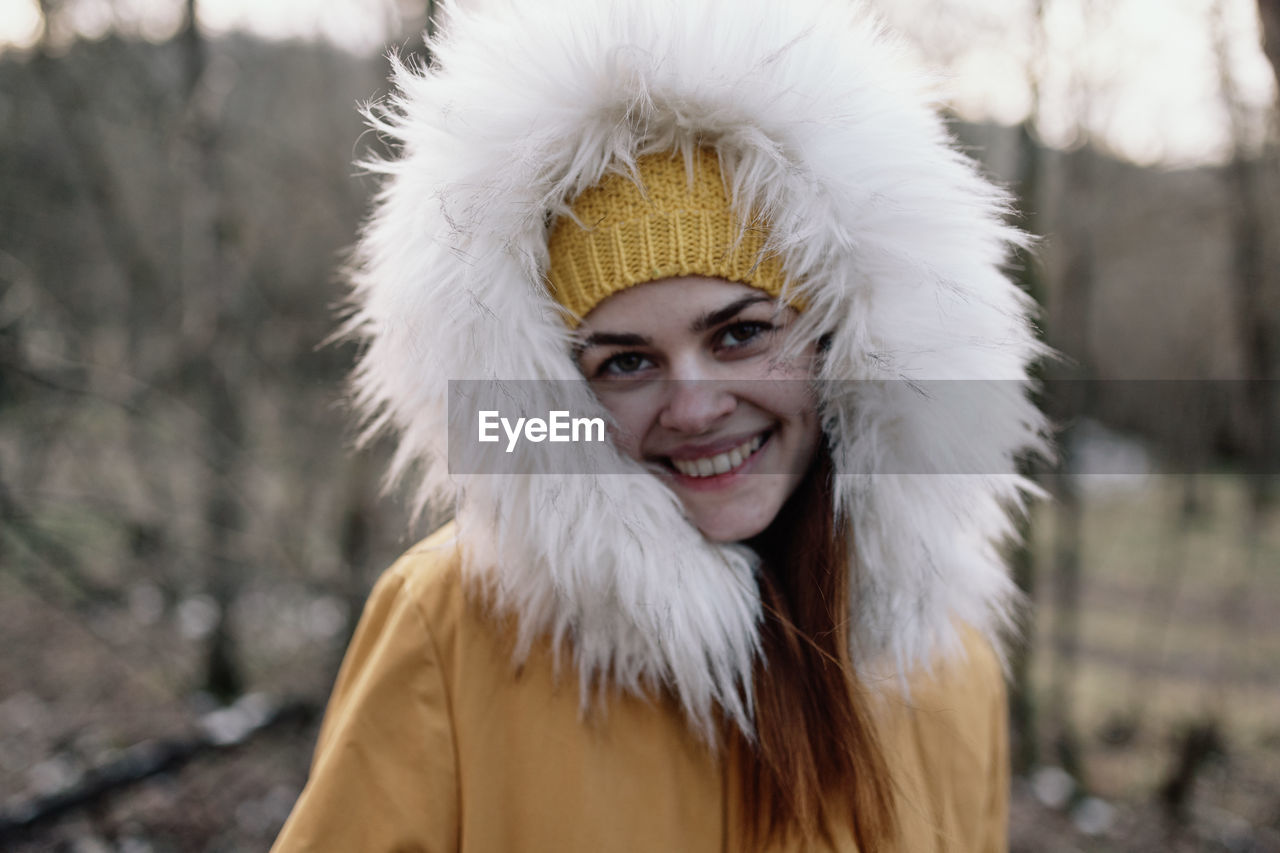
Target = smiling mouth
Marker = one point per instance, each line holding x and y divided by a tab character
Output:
720	463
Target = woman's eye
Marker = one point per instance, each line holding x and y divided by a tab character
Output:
741	334
623	364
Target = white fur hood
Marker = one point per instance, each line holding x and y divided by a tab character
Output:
895	238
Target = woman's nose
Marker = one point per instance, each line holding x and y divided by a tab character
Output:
695	405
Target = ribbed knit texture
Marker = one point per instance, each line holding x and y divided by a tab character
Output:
664	228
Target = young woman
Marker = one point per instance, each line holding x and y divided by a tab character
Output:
764	613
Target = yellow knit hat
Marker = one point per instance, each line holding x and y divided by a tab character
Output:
672	227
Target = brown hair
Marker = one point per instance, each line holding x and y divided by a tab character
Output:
816	760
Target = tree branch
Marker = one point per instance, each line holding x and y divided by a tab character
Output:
224	731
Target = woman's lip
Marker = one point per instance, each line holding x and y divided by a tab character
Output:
720	481
712	448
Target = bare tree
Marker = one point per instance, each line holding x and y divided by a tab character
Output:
1249	175
1022	705
211	293
1070	335
1269	17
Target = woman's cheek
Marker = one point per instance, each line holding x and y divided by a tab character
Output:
628	427
628	443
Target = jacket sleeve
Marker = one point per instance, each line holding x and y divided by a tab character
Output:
383	777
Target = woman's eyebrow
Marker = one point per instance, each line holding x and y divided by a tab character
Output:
714	318
604	339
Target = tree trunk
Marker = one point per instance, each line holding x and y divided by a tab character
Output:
207	371
1269	17
1073	339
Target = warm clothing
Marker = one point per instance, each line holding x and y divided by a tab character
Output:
448	729
435	742
620	236
893	240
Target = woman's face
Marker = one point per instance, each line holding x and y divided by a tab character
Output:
690	370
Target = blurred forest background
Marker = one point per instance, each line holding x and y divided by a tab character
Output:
185	541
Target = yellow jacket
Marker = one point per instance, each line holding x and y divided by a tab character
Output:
434	741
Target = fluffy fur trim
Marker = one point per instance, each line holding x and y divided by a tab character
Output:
898	242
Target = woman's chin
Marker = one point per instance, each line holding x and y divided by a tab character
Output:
730	523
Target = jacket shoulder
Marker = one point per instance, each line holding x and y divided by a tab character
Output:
968	676
466	632
429	577
432	563
947	737
387	747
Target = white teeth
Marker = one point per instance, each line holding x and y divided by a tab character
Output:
721	463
